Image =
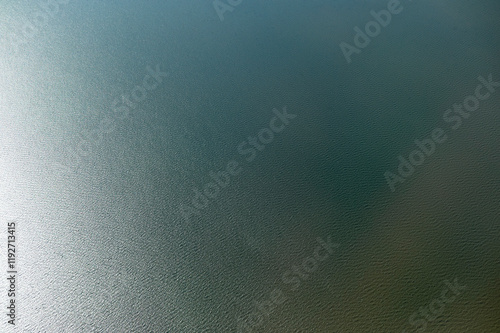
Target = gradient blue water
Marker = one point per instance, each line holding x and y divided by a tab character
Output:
104	246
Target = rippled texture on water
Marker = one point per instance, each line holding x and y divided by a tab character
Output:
103	245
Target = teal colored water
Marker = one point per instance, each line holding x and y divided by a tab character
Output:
103	176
